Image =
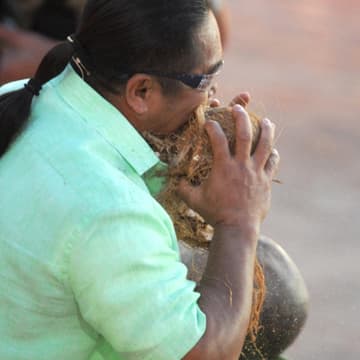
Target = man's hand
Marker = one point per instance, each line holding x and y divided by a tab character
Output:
238	187
242	99
20	53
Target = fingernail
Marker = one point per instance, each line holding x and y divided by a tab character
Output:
238	108
266	122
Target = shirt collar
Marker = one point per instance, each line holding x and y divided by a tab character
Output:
107	120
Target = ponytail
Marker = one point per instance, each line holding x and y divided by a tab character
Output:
15	106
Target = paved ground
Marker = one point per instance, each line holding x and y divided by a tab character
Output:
301	62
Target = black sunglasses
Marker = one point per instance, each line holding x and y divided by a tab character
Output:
201	82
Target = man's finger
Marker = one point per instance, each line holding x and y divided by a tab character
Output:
214	103
272	164
242	133
265	145
242	99
218	141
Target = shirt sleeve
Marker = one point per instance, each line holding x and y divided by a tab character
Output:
131	286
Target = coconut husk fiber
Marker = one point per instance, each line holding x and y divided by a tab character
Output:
188	155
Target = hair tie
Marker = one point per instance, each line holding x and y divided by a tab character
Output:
34	86
78	49
71	40
79	57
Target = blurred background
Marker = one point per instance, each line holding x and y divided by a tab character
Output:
300	60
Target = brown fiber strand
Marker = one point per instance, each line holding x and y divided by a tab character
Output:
188	155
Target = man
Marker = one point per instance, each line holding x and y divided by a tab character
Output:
89	260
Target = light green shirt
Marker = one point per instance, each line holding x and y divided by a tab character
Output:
89	261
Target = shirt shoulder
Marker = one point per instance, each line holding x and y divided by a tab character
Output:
12	86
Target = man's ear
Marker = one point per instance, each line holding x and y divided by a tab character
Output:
138	92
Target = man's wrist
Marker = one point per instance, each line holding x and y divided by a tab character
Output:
246	222
246	230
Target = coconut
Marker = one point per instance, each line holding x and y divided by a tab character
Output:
285	307
188	154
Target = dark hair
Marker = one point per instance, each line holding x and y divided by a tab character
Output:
117	37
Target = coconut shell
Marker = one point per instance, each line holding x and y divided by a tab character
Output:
285	307
189	155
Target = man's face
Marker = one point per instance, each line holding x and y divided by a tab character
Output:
168	113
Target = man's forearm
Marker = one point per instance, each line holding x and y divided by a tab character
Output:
226	292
